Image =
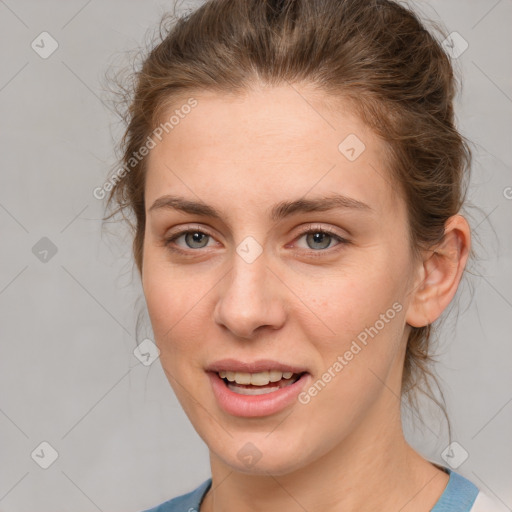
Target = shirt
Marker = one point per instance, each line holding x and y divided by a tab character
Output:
460	495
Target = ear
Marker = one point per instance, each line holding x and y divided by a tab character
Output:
439	273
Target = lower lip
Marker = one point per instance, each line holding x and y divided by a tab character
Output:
250	406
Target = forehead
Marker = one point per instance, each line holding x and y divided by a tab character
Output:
266	145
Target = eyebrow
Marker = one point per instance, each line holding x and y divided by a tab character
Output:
279	211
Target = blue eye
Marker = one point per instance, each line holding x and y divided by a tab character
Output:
193	238
318	240
322	238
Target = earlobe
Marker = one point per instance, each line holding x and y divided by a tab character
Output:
440	274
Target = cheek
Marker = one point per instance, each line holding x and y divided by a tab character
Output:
176	302
348	301
365	308
364	311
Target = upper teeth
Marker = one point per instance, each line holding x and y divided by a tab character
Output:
256	379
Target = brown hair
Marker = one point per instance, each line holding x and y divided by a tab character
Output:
375	54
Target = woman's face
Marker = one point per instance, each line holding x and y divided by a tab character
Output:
247	176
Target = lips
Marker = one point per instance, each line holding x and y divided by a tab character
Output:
258	388
233	365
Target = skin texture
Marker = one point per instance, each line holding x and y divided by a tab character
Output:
344	450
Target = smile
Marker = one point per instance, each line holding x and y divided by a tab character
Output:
259	383
256	400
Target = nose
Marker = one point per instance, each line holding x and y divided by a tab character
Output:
251	298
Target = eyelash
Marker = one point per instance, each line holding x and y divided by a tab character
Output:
308	230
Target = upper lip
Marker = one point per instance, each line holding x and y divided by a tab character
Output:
233	365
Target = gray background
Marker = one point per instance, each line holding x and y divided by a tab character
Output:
68	375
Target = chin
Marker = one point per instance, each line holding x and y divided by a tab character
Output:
255	455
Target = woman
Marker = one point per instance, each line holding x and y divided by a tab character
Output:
296	178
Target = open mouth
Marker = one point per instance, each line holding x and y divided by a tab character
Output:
260	383
257	389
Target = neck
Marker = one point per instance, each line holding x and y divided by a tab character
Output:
371	469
